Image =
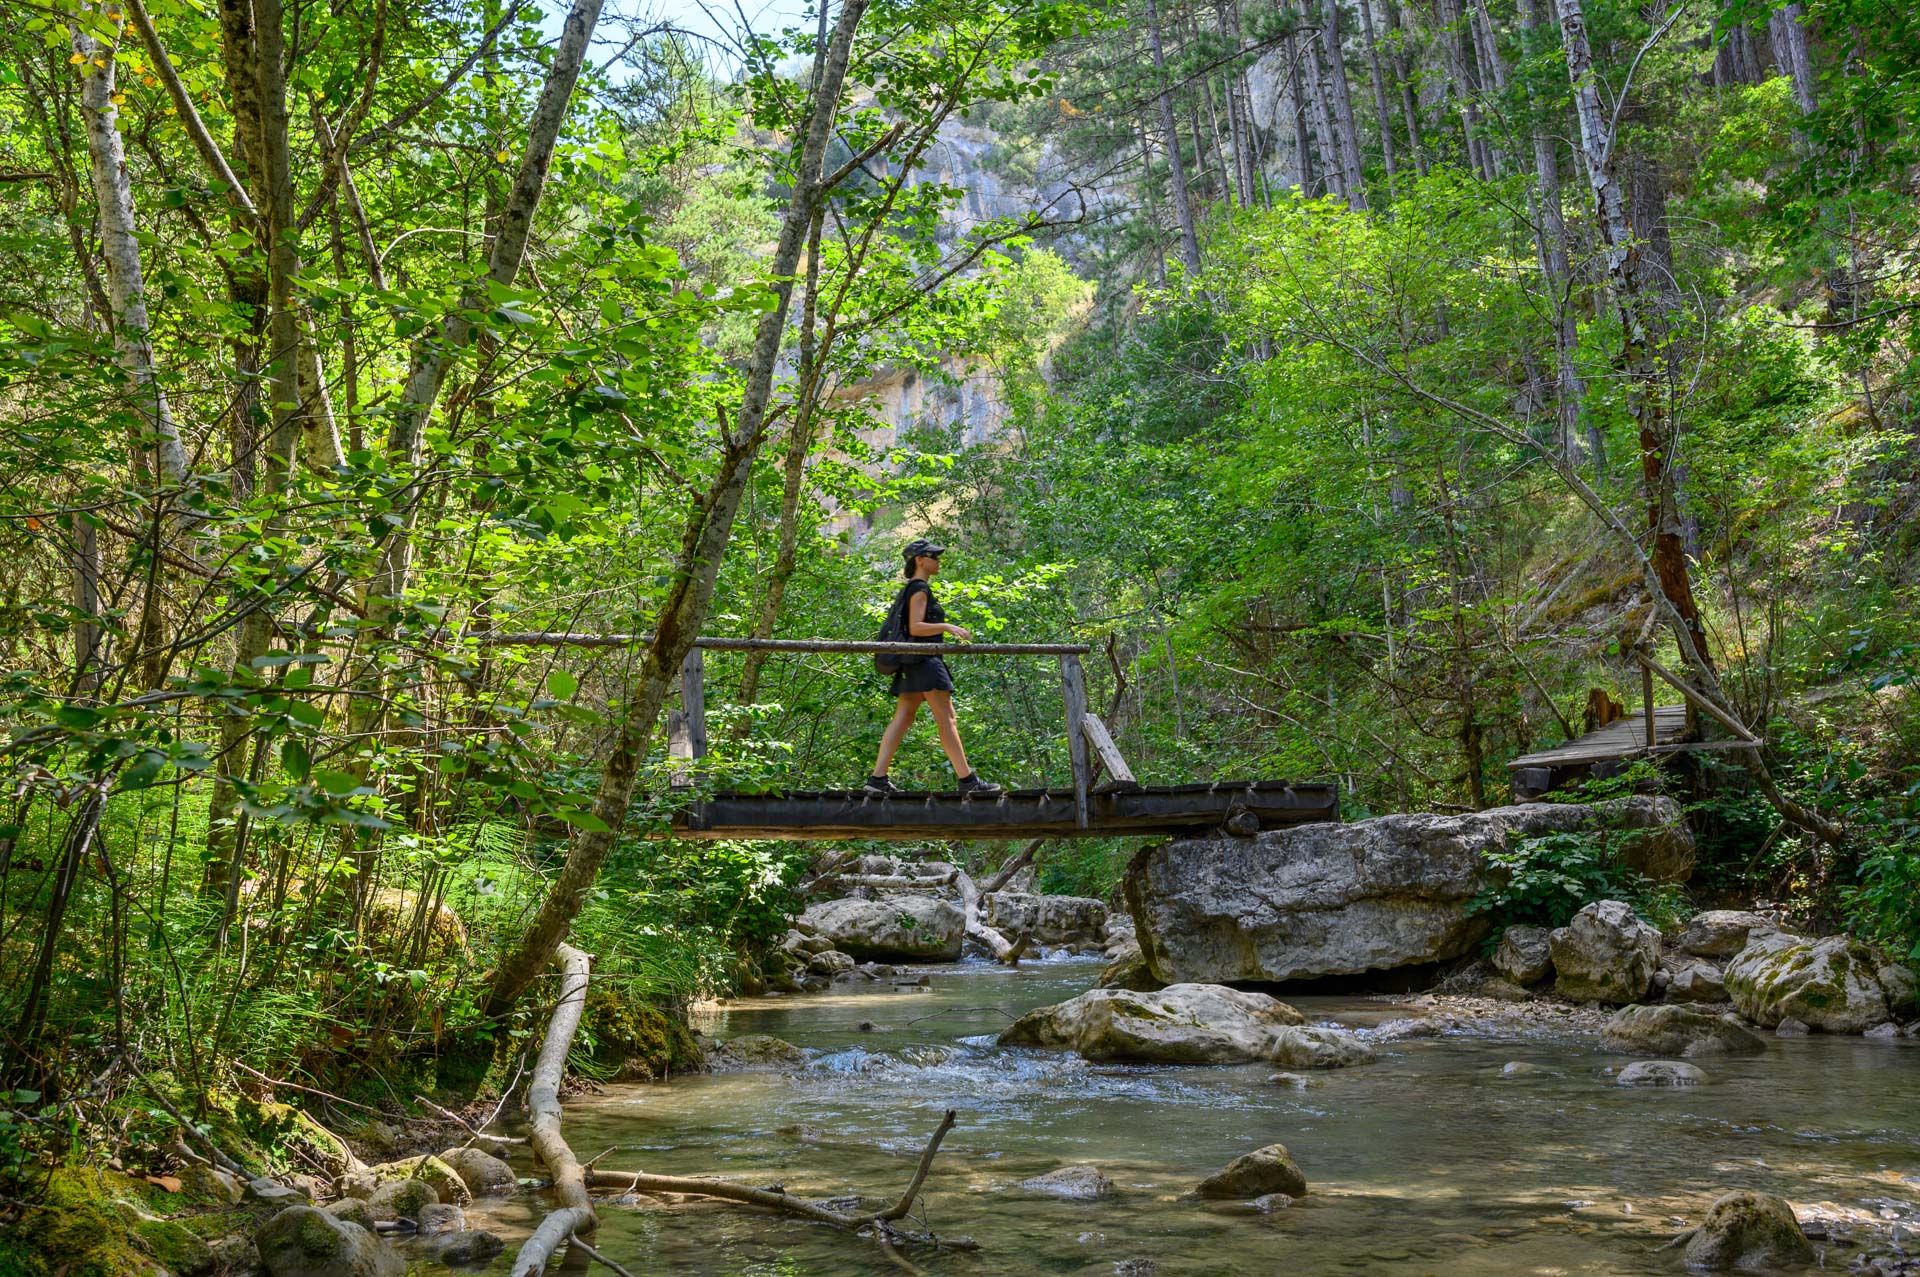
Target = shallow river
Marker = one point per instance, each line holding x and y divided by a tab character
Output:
1432	1161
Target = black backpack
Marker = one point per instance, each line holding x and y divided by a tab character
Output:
894	630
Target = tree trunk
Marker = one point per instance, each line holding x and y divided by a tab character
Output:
1636	294
1321	118
1383	117
1409	108
1176	167
1787	25
120	249
1340	102
684	610
1302	148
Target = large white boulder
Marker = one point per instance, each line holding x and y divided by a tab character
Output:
1836	983
1185	1024
1605	954
1721	933
1676	1031
1341	899
901	928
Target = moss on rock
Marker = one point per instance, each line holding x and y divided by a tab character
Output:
98	1223
632	1039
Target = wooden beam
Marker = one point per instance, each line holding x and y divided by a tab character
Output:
562	638
1700	702
1646	704
693	700
1108	753
680	749
1073	689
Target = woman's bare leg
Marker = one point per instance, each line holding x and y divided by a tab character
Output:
941	703
904	712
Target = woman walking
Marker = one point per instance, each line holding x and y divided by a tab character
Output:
926	680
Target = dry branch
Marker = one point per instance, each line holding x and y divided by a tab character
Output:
1002	949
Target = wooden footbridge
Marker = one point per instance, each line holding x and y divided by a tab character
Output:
1104	799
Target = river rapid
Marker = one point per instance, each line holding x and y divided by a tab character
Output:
1435	1160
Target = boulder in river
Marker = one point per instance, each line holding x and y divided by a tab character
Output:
1256	1174
901	928
1661	1073
1605	954
1721	933
402	1199
1835	983
1130	973
301	1241
1695	980
1340	899
1523	955
1673	1030
482	1173
1184	1024
1074	1183
447	1184
755	1051
468	1248
1749	1232
1074	921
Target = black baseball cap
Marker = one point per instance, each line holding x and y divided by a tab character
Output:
920	545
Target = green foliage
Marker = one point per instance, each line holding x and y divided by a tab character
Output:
1545	880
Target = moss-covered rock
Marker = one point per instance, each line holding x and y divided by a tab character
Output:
483	1173
632	1039
1750	1232
402	1199
292	1137
1835	983
1130	972
428	1169
756	1051
303	1242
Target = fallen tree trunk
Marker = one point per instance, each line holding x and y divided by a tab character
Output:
573	1210
1006	872
1002	949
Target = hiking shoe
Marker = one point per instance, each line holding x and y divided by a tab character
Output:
881	785
974	785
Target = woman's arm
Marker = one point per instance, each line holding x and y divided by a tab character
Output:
920	627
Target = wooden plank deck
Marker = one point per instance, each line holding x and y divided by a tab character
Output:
1622	738
1021	813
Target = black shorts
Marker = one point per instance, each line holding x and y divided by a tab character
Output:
929	675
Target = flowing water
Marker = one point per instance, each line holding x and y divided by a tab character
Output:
1435	1160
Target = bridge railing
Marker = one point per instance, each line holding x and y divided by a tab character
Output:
1090	746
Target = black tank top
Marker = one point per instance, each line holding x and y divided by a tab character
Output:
935	614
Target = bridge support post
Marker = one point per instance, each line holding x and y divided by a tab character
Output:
1073	689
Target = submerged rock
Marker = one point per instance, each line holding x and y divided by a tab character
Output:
301	1241
1835	983
468	1248
901	928
1075	1183
1075	921
1523	955
1661	1073
1185	1024
1748	1231
1605	954
755	1051
1672	1030
1256	1174
1341	899
1721	933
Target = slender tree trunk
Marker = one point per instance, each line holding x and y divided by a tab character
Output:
1409	108
1340	101
685	609
1302	147
1570	390
1322	120
1636	294
799	445
1383	117
120	250
1176	167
